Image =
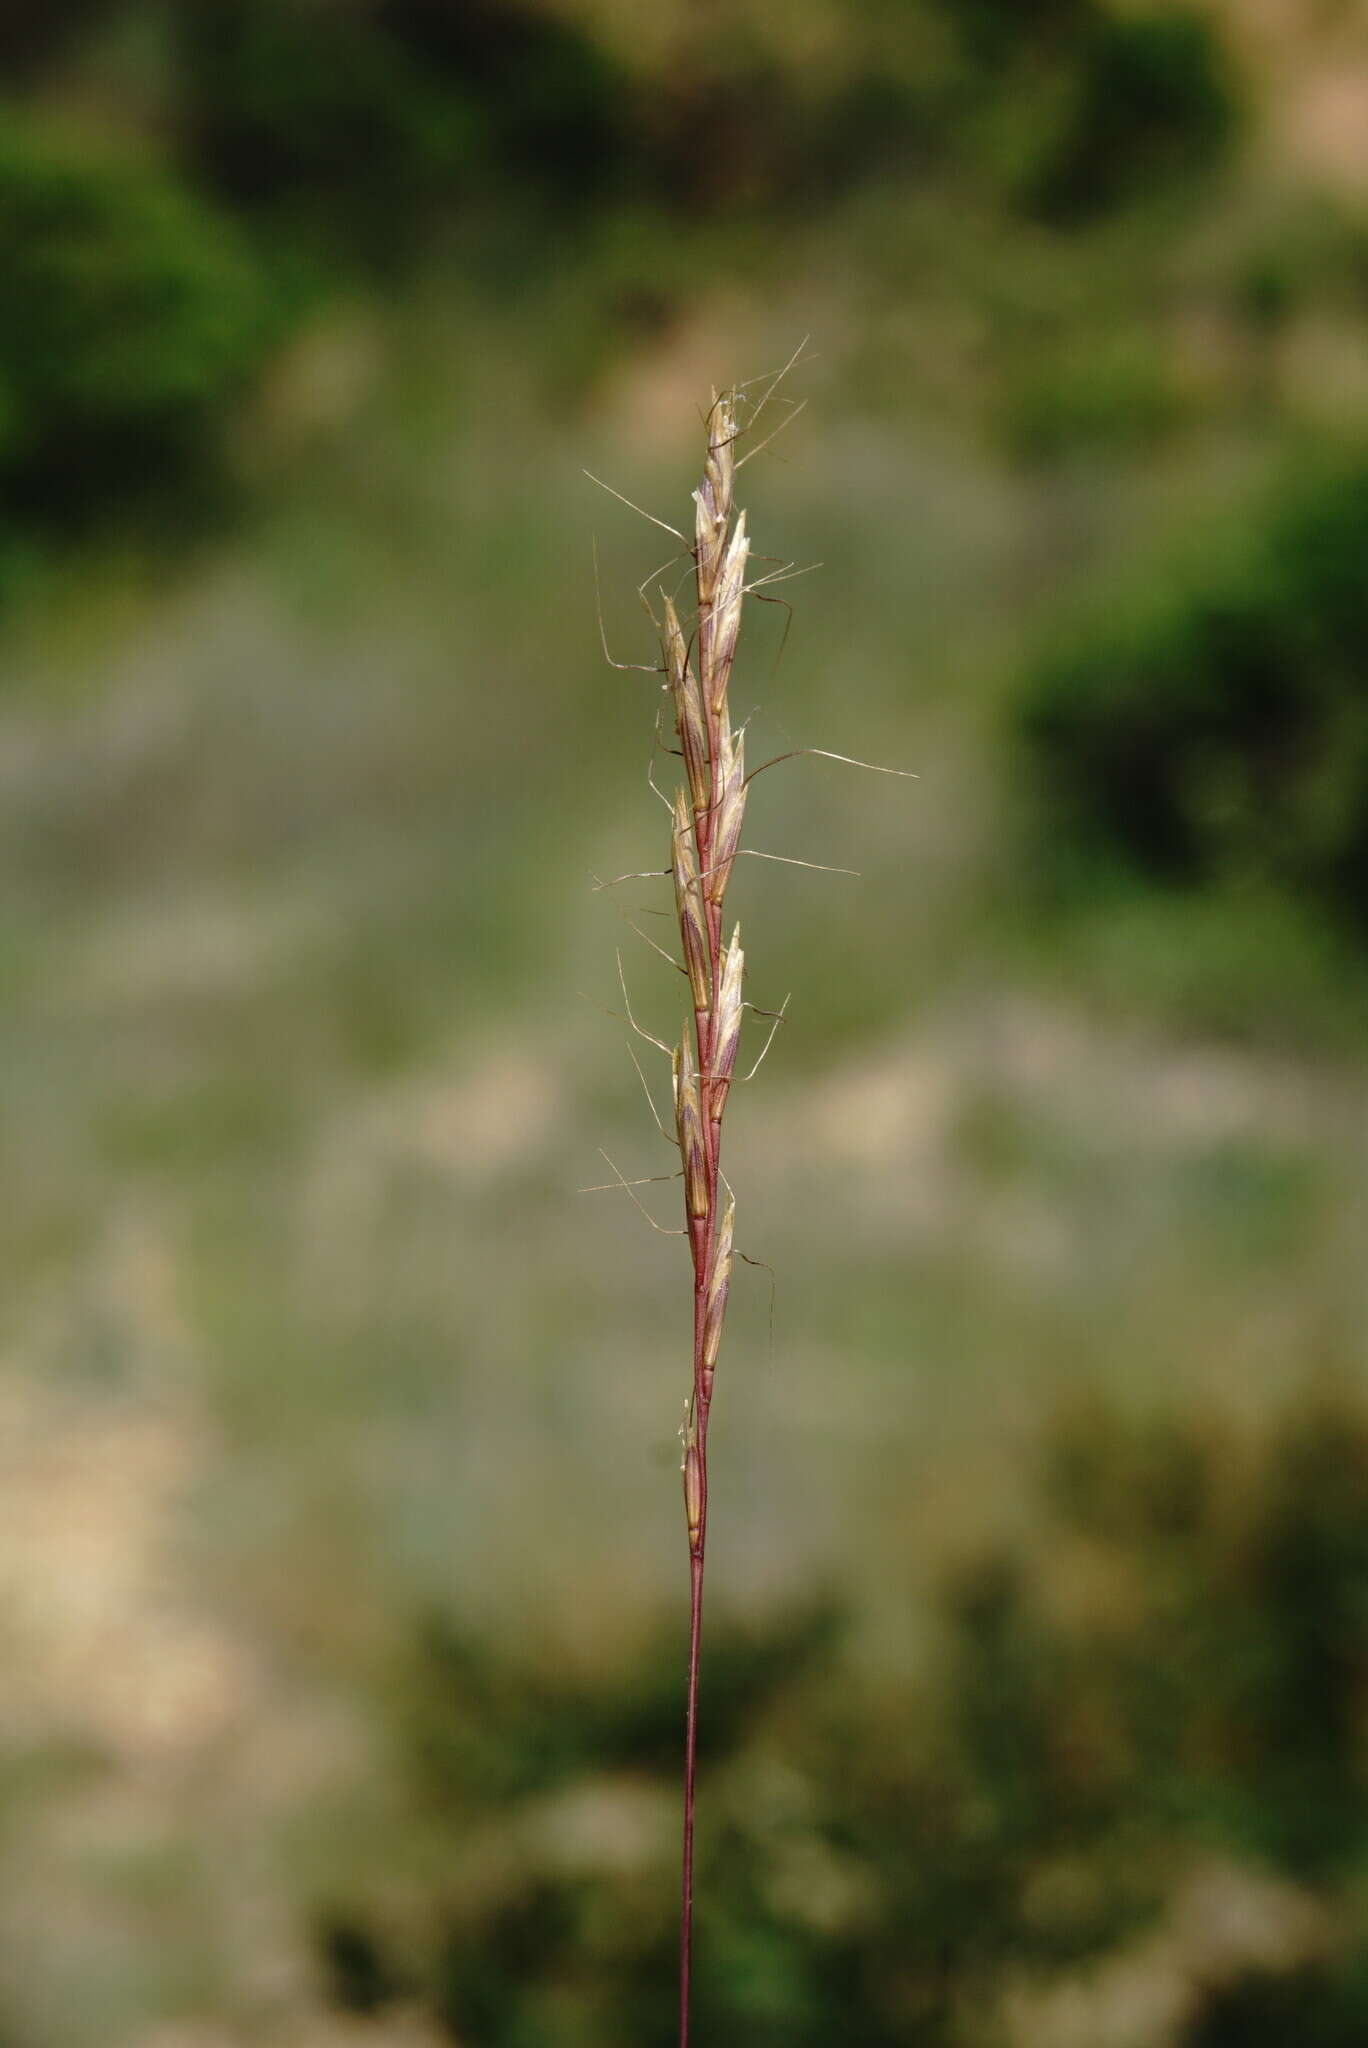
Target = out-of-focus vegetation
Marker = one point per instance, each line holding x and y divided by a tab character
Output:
1216	726
133	313
299	141
1152	1712
340	1595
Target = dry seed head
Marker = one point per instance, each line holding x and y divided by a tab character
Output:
689	904
731	808
728	1036
719	1286
726	614
688	708
689	1124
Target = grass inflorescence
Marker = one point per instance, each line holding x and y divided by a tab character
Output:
707	813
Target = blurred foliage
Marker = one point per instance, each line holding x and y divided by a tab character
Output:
1102	392
291	103
473	1733
357	125
31	36
131	312
1146	102
996	31
356	137
1179	1670
1080	109
1215	728
1316	2006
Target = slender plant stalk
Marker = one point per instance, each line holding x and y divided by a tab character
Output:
707	814
706	835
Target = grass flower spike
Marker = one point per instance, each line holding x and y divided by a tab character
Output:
706	837
707	815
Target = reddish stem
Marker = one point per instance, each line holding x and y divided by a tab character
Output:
690	1760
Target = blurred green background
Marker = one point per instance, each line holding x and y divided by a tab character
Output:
342	1586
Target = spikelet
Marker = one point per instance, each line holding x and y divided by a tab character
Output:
719	1287
731	808
713	498
728	1034
688	710
726	615
693	1489
689	904
689	1125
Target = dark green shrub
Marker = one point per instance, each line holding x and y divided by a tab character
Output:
368	120
1315	2006
995	31
1217	728
1149	100
1304	1723
555	104
476	1732
31	36
359	1974
365	124
129	311
487	1977
1236	1686
318	112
